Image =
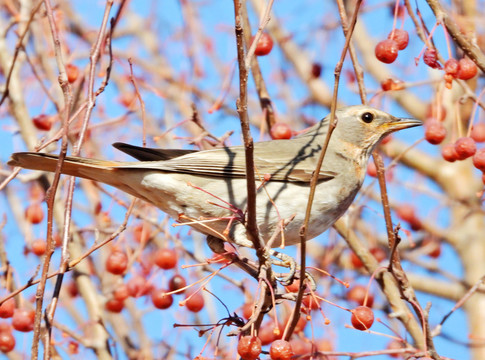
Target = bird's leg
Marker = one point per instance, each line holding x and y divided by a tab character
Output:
287	261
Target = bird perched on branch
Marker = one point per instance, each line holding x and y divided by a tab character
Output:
207	189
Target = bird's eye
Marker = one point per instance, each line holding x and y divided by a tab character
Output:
367	117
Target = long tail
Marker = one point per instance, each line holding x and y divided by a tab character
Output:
97	170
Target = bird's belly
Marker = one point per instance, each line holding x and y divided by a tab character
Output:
216	202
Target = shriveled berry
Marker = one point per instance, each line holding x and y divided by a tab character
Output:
316	70
401	37
386	51
430	58
449	153
479	160
264	46
435	132
478	132
468	69
362	318
249	347
465	147
281	350
452	67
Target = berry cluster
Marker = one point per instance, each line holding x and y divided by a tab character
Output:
465	69
387	50
461	149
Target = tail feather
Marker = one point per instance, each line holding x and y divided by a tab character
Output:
98	170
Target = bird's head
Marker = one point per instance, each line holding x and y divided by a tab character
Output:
363	127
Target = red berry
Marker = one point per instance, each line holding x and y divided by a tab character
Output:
176	282
371	169
42	122
452	67
406	212
479	160
121	293
357	294
301	324
316	70
195	301
310	302
7	341
7	308
280	131
301	347
39	247
23	320
72	73
160	300
401	37
34	213
386	51
465	147
379	253
294	287
264	46
391	84
138	286
281	350
249	347
362	318
449	153
468	69
247	310
435	132
433	112
166	258
430	58
478	132
395	345
433	245
401	10
142	232
114	305
116	262
266	334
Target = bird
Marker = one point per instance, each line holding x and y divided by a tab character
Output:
207	189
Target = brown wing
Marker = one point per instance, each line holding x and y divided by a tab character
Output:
285	160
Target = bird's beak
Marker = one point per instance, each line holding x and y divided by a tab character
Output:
402	123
